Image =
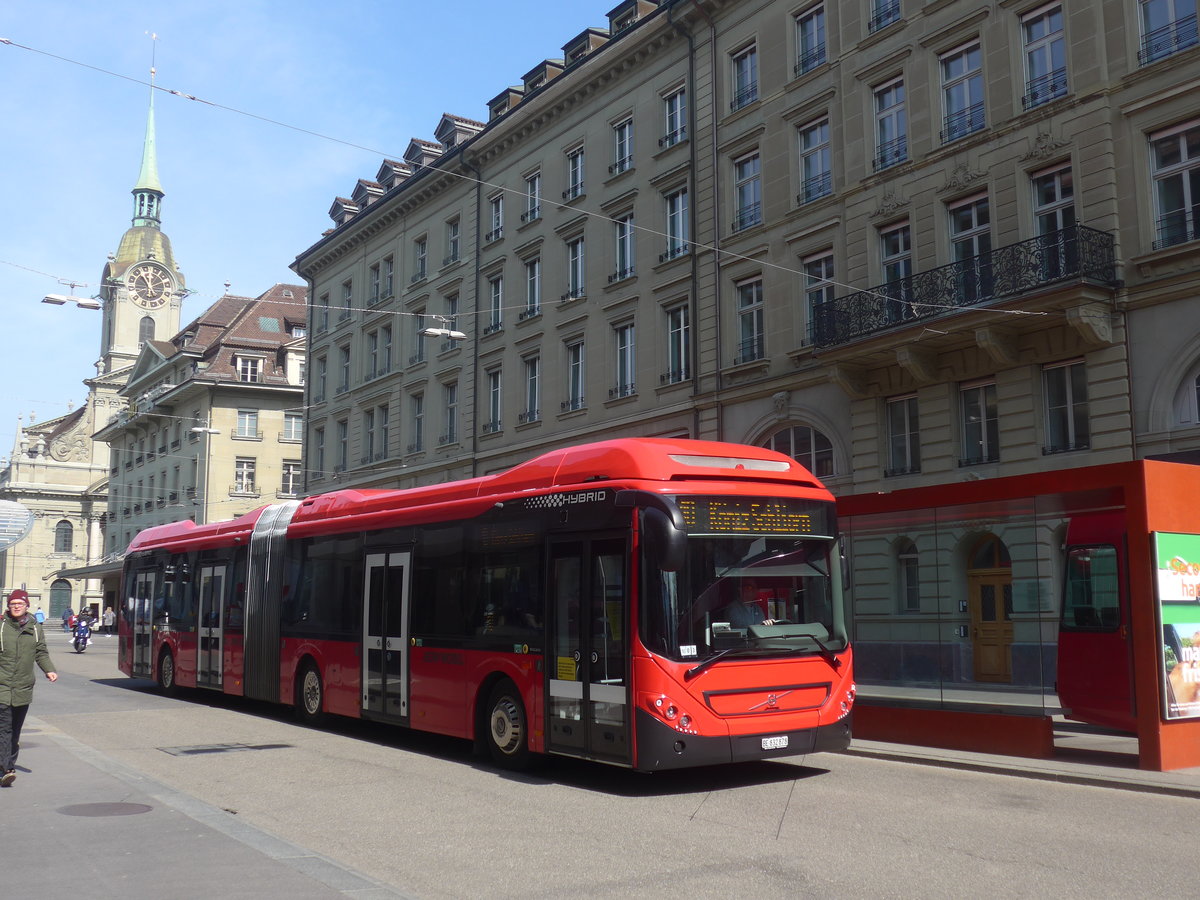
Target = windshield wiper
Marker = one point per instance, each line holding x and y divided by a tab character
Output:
825	651
752	651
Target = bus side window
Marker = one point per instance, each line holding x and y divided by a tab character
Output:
1092	590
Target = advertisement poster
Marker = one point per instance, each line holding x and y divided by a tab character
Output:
1177	579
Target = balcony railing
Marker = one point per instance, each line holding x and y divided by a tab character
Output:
674	251
671	138
810	59
1077	253
1171	38
744	96
891	153
1176	227
960	124
747	216
529	415
621	391
1045	88
815	188
886	12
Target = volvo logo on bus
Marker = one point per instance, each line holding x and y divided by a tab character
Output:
554	501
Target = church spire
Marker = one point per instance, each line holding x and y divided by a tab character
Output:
148	193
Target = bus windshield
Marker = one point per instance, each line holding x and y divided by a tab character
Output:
768	596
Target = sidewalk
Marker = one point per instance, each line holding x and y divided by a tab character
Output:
151	841
1083	755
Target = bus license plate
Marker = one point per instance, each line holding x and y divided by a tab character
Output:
775	743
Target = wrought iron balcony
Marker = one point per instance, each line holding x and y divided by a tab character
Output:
886	12
810	59
960	124
1168	40
1045	88
891	153
1077	253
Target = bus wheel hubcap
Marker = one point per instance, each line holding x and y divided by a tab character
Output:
506	725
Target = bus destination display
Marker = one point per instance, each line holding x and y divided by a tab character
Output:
755	515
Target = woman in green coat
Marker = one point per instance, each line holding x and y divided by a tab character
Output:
22	643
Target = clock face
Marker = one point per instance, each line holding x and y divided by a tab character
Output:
149	286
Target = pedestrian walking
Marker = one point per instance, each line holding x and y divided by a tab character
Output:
39	616
68	615
110	619
22	643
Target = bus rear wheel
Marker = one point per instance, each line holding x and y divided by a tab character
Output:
310	696
166	674
508	727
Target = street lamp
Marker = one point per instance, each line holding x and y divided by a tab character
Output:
443	332
81	302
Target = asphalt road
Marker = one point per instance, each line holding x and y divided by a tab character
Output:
422	814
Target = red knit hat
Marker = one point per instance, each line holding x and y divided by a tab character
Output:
18	594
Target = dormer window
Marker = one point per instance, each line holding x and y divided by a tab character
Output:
249	369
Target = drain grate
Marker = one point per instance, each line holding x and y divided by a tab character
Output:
199	749
101	810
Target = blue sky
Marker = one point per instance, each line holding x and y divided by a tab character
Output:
243	197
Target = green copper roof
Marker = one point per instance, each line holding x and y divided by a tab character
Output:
148	177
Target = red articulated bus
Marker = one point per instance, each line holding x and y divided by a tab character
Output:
644	602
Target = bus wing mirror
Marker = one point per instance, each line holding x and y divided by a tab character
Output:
665	544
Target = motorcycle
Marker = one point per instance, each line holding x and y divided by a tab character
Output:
83	635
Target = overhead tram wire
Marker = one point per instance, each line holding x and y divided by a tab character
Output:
694	245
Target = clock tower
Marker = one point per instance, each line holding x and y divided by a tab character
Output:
142	288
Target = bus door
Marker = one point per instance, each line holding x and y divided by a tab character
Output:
143	622
385	634
209	655
588	692
1095	645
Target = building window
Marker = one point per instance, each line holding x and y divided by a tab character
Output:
452	242
1065	387
344	369
624	232
417	433
533	288
575	374
494	408
747	175
807	446
1175	166
678	228
907	580
675	109
574	174
495	305
418	338
626	360
290	484
1054	211
347	300
247	424
883	13
450	399
382	420
903	436
368	420
750	324
249	369
533	390
420	258
623	137
1045	56
679	345
745	77
293	426
895	256
810	39
318	452
243	475
343	445
388	278
1168	26
818	287
575	269
891	125
980	428
971	244
374	283
533	197
322	379
322	315
145	330
816	174
495	218
64	537
962	92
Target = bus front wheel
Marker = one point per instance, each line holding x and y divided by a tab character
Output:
310	696
508	727
166	674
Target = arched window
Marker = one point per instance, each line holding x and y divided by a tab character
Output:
807	446
908	580
64	537
990	553
145	330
